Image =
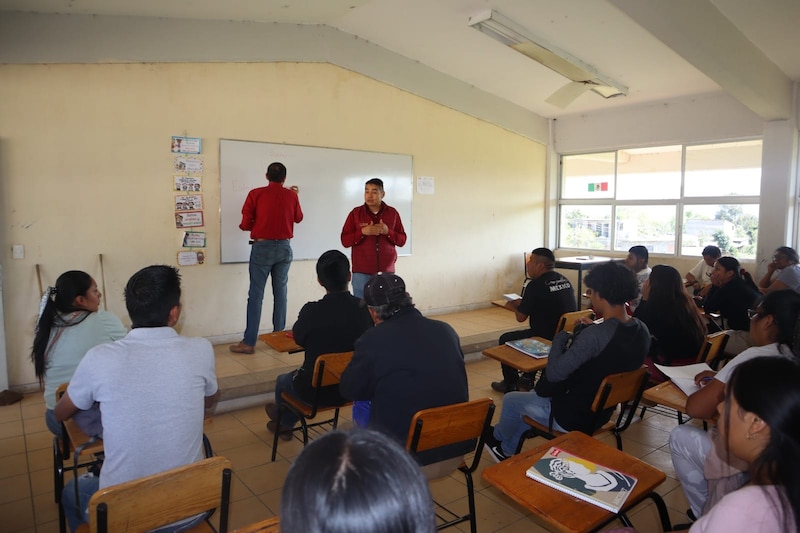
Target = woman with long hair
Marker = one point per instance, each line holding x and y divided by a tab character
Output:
706	475
70	323
675	324
760	425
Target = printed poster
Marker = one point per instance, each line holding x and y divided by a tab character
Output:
186	145
189	219
192	202
186	183
194	239
192	258
188	164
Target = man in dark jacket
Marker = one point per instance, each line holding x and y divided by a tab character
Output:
404	364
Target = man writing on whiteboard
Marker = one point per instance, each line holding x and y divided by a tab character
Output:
373	230
269	214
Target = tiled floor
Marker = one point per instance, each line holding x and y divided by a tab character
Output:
26	488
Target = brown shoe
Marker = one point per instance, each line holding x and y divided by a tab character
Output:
285	433
242	348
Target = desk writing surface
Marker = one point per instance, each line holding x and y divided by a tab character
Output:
557	509
668	395
516	359
280	341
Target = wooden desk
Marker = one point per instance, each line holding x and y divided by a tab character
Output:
270	525
668	395
516	359
580	263
280	341
562	512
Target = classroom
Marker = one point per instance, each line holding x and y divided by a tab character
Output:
89	102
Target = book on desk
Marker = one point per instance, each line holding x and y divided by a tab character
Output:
583	479
532	347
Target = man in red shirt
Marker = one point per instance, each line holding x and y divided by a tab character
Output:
269	214
372	230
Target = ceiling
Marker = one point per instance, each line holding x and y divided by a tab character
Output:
744	47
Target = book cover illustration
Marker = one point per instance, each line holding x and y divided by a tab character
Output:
583	479
531	347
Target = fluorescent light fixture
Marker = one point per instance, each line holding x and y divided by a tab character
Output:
584	77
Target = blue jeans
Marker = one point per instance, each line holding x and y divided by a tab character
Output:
511	426
285	383
52	424
267	257
87	486
358	281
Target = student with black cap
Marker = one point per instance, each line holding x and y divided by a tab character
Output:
404	364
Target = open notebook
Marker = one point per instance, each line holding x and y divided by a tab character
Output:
683	376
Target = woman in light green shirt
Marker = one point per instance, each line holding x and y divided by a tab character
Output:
70	323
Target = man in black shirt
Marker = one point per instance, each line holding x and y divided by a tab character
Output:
547	296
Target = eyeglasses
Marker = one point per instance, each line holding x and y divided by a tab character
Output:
752	313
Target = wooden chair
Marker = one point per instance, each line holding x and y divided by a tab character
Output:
451	424
154	501
712	351
84	450
567	320
327	372
625	388
270	525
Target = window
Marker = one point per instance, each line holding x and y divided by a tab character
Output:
672	199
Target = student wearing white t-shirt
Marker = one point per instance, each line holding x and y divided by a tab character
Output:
699	278
772	325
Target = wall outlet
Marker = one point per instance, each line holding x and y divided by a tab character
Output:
18	251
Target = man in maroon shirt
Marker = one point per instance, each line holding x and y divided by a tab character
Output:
269	214
372	230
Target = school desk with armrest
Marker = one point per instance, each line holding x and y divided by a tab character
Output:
516	359
559	511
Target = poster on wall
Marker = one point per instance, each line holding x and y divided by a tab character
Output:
189	219
188	164
194	239
192	258
186	183
186	145
190	202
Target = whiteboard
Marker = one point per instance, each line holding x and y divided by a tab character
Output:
331	183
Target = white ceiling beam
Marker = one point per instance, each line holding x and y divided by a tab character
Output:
698	32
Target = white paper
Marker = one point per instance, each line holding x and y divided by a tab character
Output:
425	185
683	376
512	296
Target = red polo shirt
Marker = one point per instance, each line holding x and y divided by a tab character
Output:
271	212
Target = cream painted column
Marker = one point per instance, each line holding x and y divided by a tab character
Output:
777	214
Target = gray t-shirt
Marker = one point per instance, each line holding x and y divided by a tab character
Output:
790	276
151	386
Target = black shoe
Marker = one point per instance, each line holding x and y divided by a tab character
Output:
495	452
502	386
691	515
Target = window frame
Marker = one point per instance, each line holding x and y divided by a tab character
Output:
680	204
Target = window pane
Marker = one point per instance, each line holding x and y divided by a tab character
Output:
649	173
587	176
652	226
725	169
585	226
734	228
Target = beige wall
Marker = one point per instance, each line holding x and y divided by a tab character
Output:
85	170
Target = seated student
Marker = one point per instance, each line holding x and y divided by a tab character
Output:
704	476
547	296
731	297
783	272
678	331
636	261
327	326
152	385
361	481
761	430
699	278
577	365
70	323
406	363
